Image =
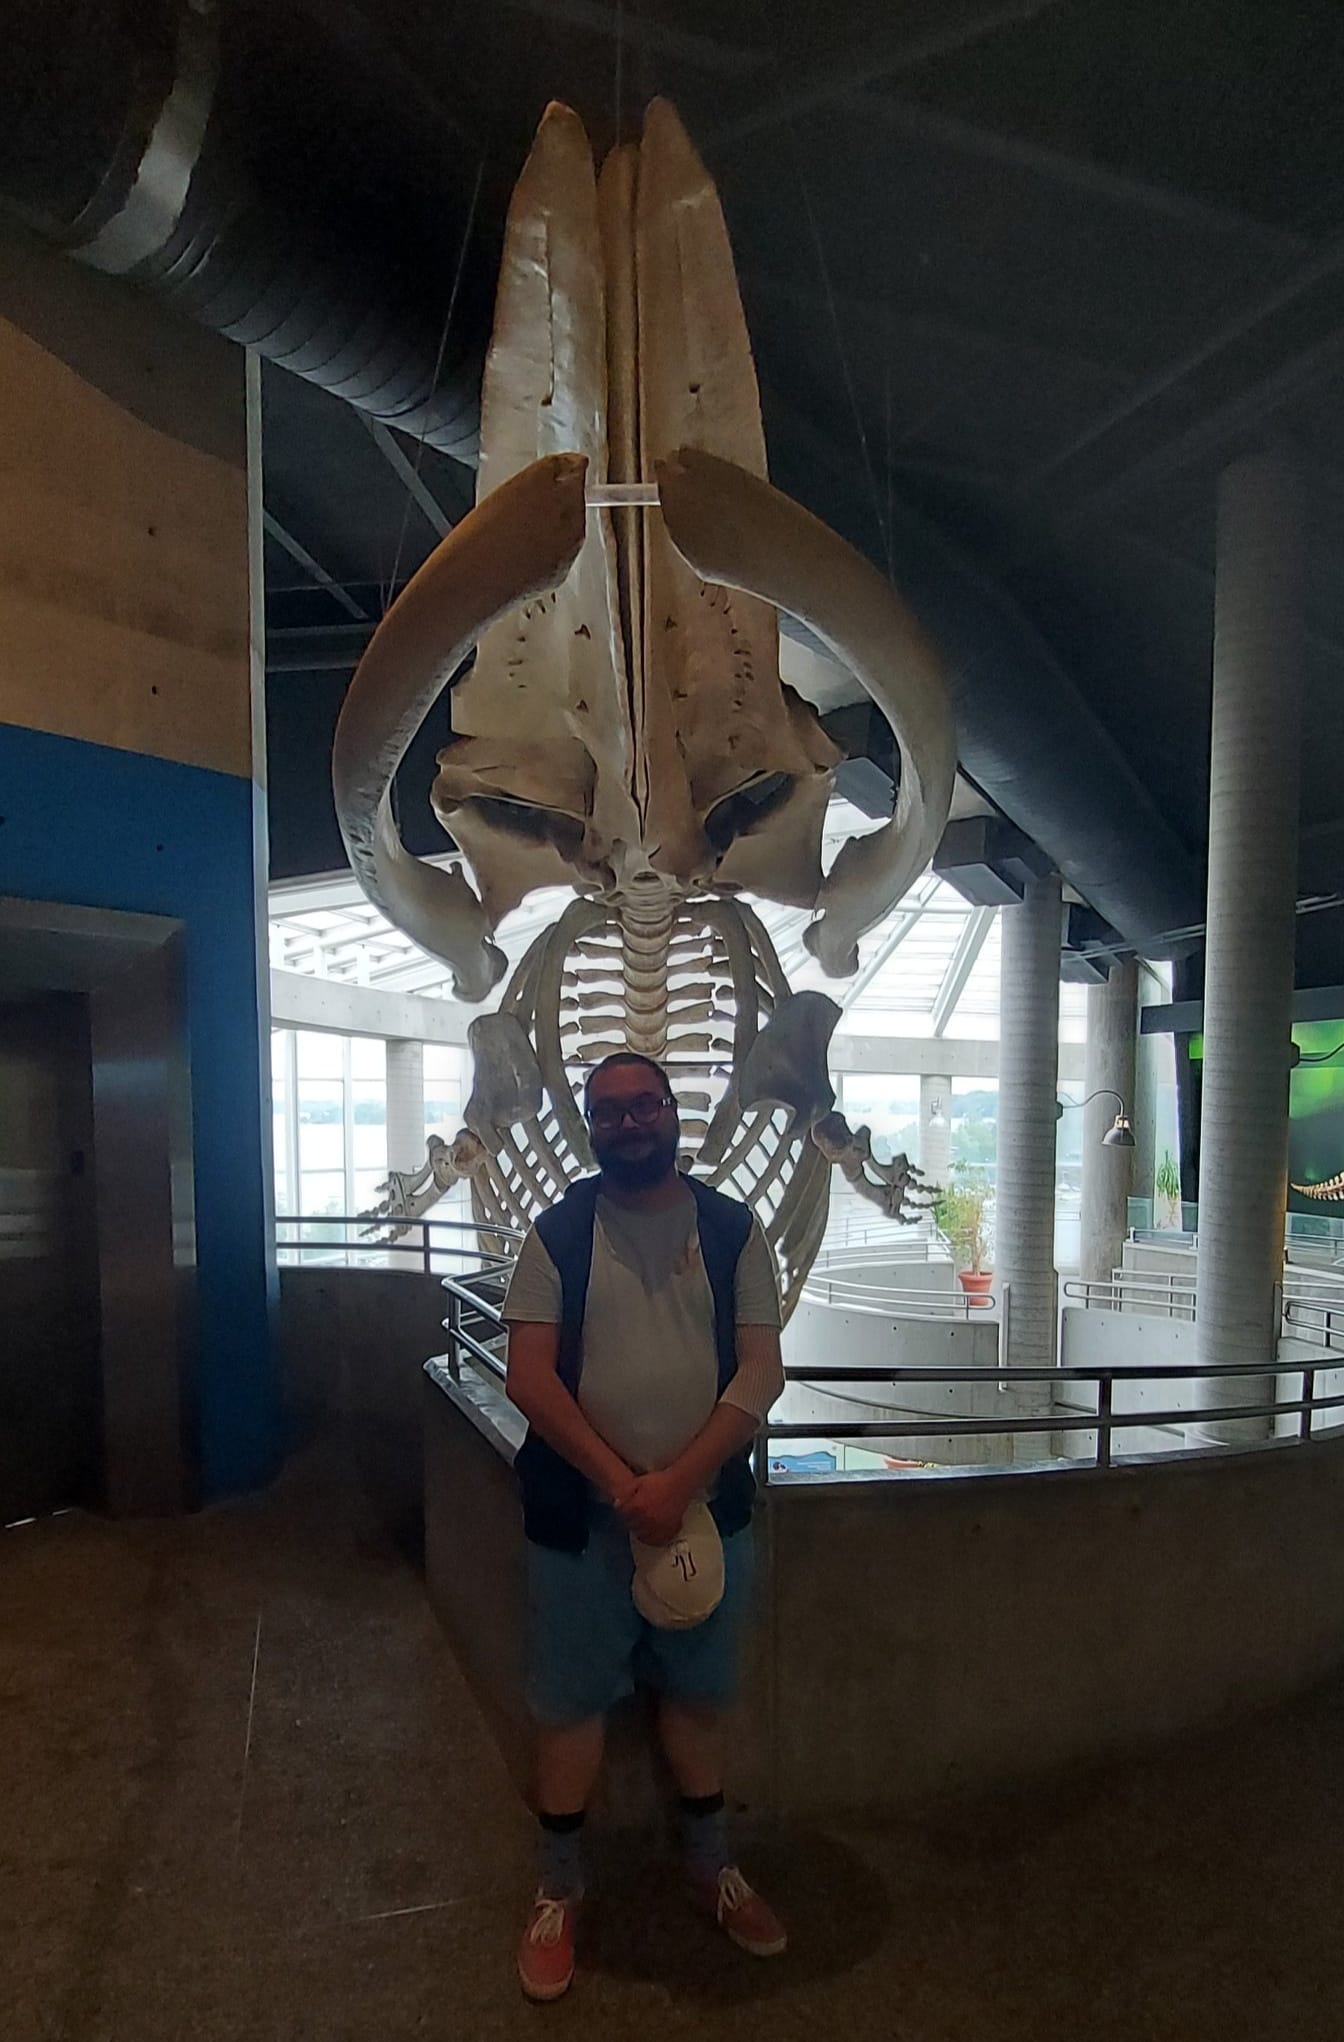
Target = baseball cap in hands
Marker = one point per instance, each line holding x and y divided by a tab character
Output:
678	1586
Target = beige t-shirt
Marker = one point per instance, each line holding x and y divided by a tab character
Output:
650	1371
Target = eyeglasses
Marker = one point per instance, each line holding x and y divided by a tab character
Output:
608	1114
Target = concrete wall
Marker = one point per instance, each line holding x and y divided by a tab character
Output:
921	1634
1156	1260
1186	1596
837	1336
830	1336
1128	1339
354	1343
130	713
1329	1382
475	1553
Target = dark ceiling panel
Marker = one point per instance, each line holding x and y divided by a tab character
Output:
1038	288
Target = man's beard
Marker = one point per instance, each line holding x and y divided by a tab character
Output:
654	1154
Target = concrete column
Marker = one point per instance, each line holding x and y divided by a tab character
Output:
1248	983
1112	1027
405	1105
935	1128
1024	1216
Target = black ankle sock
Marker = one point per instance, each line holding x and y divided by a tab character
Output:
561	1825
704	1834
560	1855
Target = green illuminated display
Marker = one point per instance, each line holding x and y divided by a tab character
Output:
1315	1110
1316	1113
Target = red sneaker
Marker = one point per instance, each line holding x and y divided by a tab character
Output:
546	1952
741	1913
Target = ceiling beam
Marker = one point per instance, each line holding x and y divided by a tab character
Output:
890	50
1174	561
628	23
301	1001
335	891
1325	264
931	328
920	1055
1207	436
411	978
316	648
1092	180
369	36
960	965
408	474
311	566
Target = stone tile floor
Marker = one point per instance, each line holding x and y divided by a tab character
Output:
244	1793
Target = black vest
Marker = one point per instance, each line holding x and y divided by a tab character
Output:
555	1495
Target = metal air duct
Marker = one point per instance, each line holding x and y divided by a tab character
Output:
138	139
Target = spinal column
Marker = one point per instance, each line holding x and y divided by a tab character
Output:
646	933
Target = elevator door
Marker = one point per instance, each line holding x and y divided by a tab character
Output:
49	1338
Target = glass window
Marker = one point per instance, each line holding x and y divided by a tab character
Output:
368	1057
1072	1011
281	1107
320	1056
1069	1132
445	1073
366	1187
887	1104
321	1124
975	1123
369	1115
322	1191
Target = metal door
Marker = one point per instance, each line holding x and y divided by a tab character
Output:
50	1449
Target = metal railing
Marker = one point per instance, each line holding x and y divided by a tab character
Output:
1313	1303
854	1222
837	1275
423	1243
474	1323
1105	1421
470	1307
1310	1237
887	1300
1308	1318
930	1247
1137	1290
1313	1286
476	1335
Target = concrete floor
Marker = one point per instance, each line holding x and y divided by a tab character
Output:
246	1794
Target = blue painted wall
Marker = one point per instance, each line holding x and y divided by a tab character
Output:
102	828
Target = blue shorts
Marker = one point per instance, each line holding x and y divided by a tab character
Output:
588	1645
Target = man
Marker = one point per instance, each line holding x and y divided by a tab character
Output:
643	1321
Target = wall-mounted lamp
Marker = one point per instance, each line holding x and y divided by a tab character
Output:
1119	1135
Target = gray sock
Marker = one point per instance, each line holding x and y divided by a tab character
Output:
704	1834
560	1856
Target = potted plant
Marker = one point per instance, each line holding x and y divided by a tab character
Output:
1168	1184
960	1213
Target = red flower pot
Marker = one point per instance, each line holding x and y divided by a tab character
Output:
977	1284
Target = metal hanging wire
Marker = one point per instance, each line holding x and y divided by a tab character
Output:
448	316
774	39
